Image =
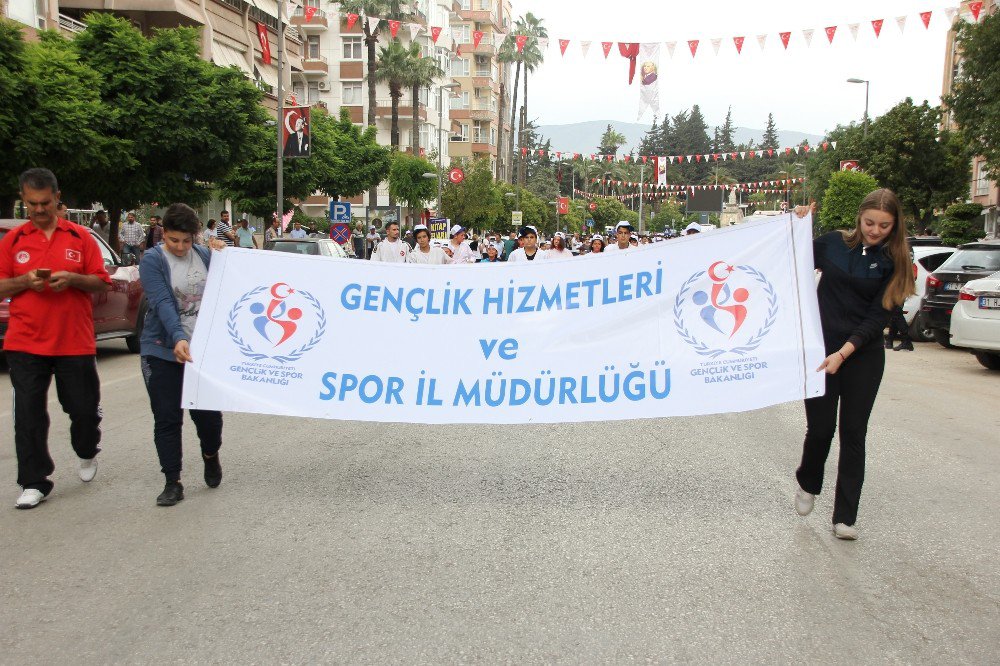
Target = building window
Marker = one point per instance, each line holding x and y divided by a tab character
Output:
299	91
493	138
982	180
351	93
312	46
24	11
484	5
462	34
459	67
353	48
460	101
313	92
466	5
462	134
426	132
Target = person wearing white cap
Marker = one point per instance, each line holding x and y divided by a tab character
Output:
558	249
693	228
458	249
424	252
393	249
623	236
529	249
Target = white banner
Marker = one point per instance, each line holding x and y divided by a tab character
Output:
723	321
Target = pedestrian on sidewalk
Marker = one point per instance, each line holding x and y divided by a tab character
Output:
174	276
48	269
866	273
898	330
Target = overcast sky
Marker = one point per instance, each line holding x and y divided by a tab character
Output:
804	87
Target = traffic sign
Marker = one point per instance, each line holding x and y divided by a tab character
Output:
590	221
340	232
456	175
593	205
340	211
516	217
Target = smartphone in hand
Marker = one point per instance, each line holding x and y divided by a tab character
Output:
44	273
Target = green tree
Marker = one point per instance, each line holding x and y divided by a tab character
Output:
842	199
475	201
770	139
611	141
407	182
185	121
508	54
725	142
55	120
396	69
423	73
961	223
670	216
532	58
975	99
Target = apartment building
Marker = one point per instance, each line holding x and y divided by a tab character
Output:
982	190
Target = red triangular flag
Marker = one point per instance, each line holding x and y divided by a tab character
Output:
770	152
563	43
309	12
520	40
435	33
627	157
785	36
644	158
697	158
738	41
830	32
611	157
926	18
693	45
877	27
825	144
607	48
394	28
524	151
975	8
541	152
477	36
352	19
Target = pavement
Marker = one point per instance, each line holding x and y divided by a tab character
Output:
668	540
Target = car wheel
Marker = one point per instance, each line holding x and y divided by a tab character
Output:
988	360
942	338
919	332
132	341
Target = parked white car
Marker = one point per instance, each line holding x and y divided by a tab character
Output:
975	320
928	255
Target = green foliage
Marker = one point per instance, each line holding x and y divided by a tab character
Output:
976	94
407	182
961	223
611	141
669	216
348	159
396	68
842	199
475	201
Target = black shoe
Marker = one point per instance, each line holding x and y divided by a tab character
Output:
888	343
903	346
213	471
172	493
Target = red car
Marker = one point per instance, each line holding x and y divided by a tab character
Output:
118	312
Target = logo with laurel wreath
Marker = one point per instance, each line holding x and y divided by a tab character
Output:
279	323
725	310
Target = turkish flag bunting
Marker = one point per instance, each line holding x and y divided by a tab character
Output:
265	47
524	151
458	49
693	45
352	19
877	27
611	157
394	28
520	40
738	41
830	32
975	8
607	47
309	12
825	144
435	33
785	36
541	152
629	50
477	36
926	18
770	152
788	151
697	158
563	43
644	158
627	157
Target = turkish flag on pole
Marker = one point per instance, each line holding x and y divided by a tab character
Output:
564	205
265	47
309	12
477	36
520	40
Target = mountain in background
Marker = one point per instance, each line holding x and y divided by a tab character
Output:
585	137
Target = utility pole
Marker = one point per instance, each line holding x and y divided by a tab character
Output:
281	108
642	171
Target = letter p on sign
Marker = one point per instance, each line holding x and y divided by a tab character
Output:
340	211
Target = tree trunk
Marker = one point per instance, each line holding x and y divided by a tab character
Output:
395	94
114	222
6	207
500	136
524	127
415	138
513	123
520	149
371	39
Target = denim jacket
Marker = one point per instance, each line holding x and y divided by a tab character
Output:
162	328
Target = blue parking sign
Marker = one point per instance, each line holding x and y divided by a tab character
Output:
340	211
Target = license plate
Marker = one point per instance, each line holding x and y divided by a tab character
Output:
989	302
952	286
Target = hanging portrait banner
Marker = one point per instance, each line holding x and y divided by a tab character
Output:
723	321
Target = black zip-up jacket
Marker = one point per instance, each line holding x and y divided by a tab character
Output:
850	292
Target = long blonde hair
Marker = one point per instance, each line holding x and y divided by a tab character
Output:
901	283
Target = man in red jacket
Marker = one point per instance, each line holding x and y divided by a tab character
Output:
48	269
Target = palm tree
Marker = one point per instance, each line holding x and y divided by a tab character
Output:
424	71
395	68
507	54
532	58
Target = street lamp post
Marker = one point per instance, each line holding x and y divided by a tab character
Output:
453	84
866	82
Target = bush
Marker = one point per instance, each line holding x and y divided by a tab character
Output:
843	197
961	223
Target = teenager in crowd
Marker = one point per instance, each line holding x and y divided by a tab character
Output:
424	252
558	250
174	275
492	255
623	237
597	244
866	273
393	249
529	250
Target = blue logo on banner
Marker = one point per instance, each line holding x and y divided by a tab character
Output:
277	323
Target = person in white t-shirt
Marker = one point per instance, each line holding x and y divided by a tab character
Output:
558	249
623	236
392	249
424	252
529	250
458	249
297	231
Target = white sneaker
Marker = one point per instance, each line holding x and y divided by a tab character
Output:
30	498
88	469
804	502
846	532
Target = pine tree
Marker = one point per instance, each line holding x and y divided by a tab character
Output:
651	140
770	134
726	141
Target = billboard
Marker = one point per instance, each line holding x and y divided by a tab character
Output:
295	132
705	201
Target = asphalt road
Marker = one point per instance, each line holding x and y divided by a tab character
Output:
659	540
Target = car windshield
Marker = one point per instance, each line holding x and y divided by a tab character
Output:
973	259
296	248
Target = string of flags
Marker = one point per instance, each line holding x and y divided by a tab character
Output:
680	159
673	187
661	196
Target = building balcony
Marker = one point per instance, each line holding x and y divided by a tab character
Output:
480	148
320	21
383	109
485	82
315	67
481	16
485	48
70	25
483	114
